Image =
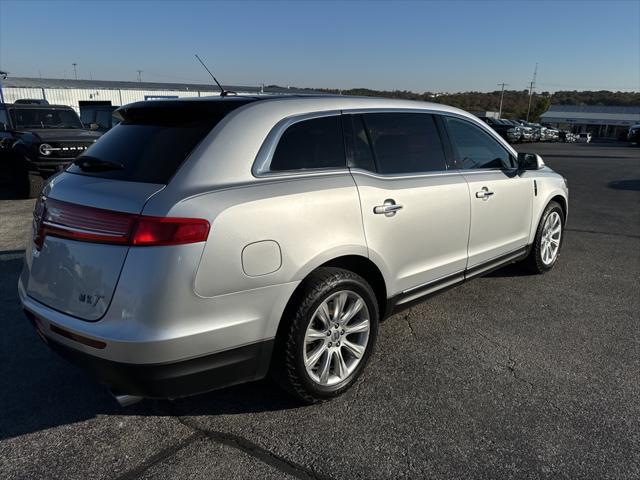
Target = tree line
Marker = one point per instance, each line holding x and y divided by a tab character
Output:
515	102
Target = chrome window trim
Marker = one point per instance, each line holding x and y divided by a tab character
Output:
262	163
405	176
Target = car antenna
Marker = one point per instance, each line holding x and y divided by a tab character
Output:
223	92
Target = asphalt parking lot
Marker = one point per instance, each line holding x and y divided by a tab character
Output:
508	376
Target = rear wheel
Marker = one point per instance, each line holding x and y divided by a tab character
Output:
546	246
328	338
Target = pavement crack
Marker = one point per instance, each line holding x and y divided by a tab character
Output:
254	450
159	457
413	333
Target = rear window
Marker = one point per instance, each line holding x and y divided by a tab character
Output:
153	140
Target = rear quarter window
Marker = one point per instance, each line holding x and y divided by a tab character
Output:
310	144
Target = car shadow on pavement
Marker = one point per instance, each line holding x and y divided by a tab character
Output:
40	390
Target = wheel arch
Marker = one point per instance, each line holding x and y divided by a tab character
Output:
357	264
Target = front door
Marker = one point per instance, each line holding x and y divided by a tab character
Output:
501	199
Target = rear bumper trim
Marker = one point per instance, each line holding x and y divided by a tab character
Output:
174	379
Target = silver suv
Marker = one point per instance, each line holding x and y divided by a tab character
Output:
204	243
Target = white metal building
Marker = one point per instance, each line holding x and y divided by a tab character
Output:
601	121
72	92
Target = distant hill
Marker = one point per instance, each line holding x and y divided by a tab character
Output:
515	101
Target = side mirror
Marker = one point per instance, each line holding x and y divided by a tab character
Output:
94	126
530	161
3	127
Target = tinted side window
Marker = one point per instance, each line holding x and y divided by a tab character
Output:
315	143
405	142
474	148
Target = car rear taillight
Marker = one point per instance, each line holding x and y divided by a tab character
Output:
169	231
88	224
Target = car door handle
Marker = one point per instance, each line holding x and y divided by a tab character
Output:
388	208
484	193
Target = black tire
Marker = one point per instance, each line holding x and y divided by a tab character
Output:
534	262
288	367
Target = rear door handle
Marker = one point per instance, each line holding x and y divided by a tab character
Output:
388	208
484	194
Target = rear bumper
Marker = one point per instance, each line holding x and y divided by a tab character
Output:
173	379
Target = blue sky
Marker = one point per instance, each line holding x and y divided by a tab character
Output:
420	46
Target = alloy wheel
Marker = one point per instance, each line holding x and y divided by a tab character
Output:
550	241
336	338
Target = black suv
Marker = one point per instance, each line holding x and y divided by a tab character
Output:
36	141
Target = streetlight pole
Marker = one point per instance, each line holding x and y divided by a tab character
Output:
75	71
501	98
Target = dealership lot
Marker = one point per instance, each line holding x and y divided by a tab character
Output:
507	376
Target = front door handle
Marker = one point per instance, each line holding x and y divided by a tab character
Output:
388	208
484	194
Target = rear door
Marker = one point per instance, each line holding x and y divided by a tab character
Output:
501	199
415	209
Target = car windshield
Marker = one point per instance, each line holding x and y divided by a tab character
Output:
45	118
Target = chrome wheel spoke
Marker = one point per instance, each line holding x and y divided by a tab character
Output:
338	306
340	365
362	326
355	350
352	311
314	335
313	358
325	365
323	314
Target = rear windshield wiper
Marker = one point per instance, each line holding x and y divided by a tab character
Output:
92	164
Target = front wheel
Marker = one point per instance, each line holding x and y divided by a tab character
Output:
546	246
328	338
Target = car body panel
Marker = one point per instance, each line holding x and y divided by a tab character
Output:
426	239
501	222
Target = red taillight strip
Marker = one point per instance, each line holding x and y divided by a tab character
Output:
89	224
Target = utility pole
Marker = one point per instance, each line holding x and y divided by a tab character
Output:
501	97
75	71
139	75
531	87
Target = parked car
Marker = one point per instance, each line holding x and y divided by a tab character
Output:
634	134
526	132
536	130
202	243
36	141
584	137
505	129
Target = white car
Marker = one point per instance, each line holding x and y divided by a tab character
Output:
202	243
584	137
